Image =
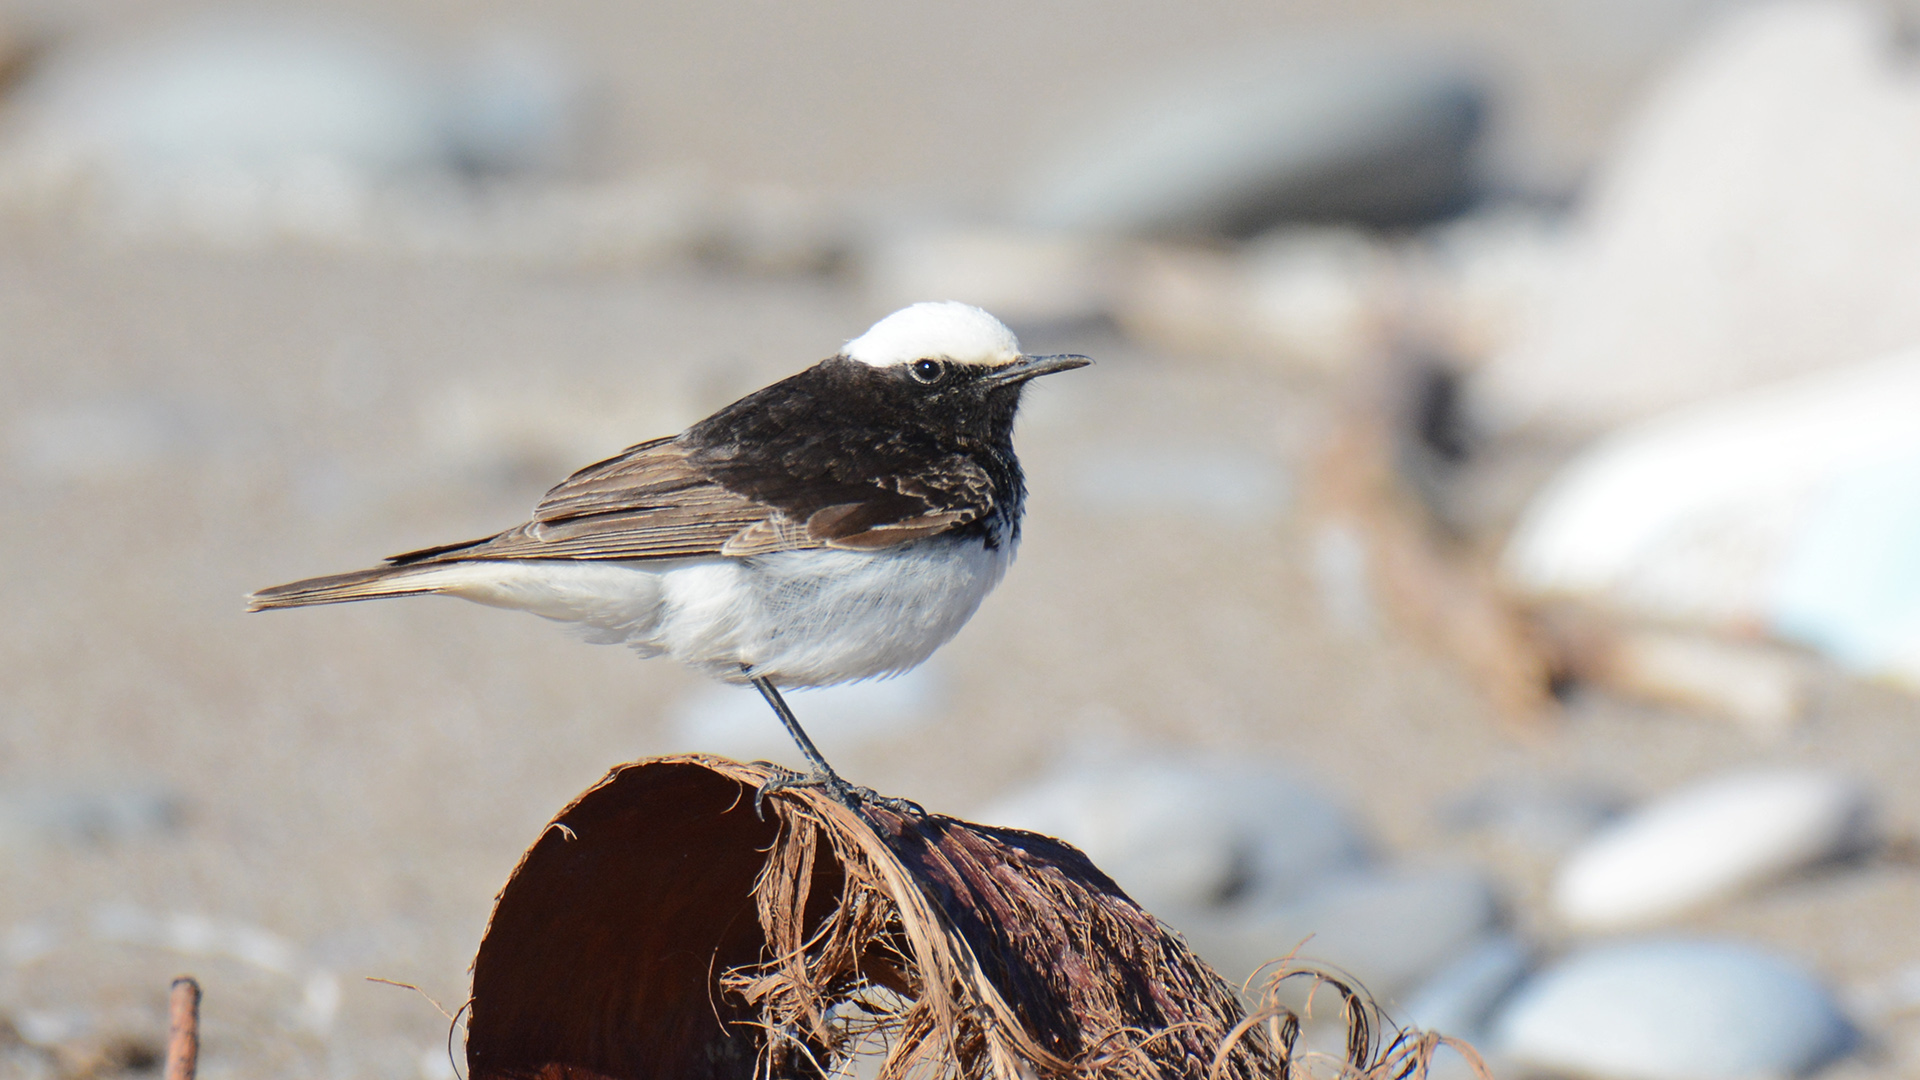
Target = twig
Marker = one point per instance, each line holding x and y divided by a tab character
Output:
183	1029
409	986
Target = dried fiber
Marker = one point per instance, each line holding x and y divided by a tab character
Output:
660	929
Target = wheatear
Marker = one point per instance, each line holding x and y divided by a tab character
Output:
840	524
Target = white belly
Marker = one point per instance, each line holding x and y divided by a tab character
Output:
802	618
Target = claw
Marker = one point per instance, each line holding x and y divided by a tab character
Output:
902	807
848	795
783	778
843	793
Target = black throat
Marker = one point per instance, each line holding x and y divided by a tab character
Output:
841	429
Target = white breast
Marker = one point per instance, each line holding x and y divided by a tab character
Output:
813	618
803	618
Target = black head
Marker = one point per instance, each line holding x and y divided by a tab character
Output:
939	391
950	363
929	379
920	407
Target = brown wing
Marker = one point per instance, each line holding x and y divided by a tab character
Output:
656	501
654	472
951	492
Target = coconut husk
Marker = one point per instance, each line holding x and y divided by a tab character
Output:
661	928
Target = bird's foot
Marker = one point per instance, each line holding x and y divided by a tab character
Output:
902	807
851	796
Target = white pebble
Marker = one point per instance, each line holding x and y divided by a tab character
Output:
1389	930
1738	234
1705	516
250	93
1187	835
1673	1010
1708	841
1461	996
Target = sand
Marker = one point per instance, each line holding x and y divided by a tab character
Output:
182	425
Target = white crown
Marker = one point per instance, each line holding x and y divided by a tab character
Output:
939	330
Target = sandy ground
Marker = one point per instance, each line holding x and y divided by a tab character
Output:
359	780
184	425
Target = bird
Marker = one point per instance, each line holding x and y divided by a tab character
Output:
838	525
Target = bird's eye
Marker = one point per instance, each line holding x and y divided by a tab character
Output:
928	371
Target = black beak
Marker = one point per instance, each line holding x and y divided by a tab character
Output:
1032	367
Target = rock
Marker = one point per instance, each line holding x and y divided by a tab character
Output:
252	94
1320	299
1757	222
735	720
1461	997
320	996
1537	814
1794	506
1449	1064
196	935
1673	1010
1478	280
1187	834
84	817
513	107
1707	841
245	127
1372	131
1849	585
1389	929
1761	687
1319	296
51	1027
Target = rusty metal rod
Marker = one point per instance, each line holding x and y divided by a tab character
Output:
183	1029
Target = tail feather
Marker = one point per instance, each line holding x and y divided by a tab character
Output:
339	588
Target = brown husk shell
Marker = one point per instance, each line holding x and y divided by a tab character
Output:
660	929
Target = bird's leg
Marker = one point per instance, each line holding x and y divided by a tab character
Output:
823	773
845	794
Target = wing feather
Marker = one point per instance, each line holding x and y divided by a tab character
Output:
642	475
657	500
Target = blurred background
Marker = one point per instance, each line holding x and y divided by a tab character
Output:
1487	550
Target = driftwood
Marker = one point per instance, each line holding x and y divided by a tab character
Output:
661	929
183	1029
1434	585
